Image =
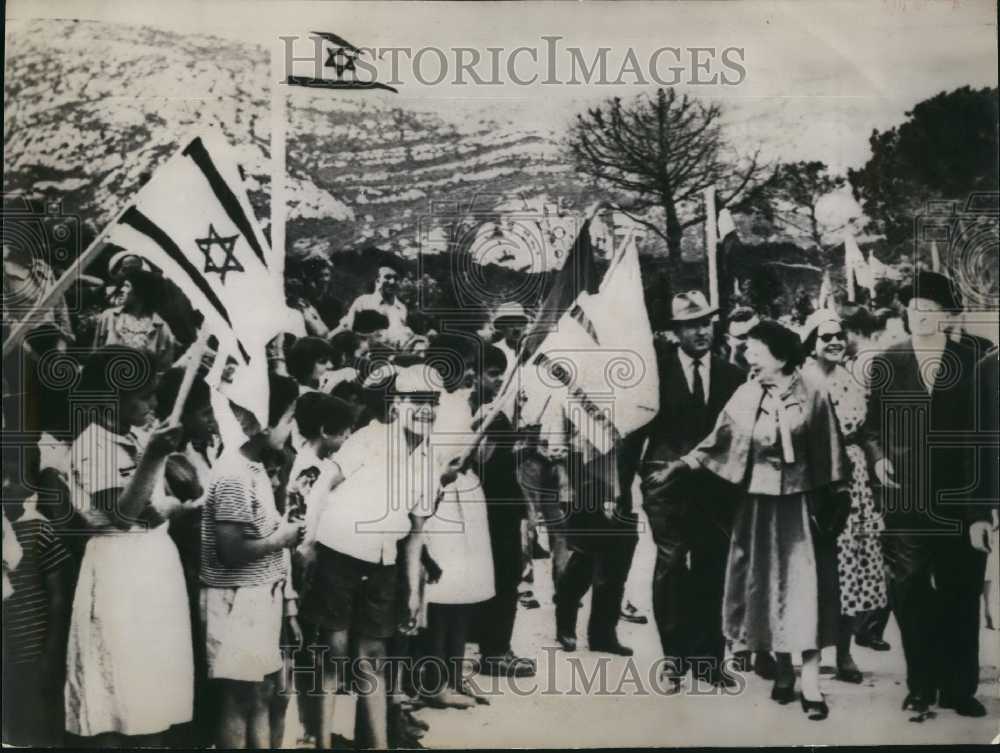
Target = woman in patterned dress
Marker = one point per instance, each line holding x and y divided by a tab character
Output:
859	547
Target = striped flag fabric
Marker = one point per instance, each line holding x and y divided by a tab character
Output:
578	274
595	370
334	66
193	221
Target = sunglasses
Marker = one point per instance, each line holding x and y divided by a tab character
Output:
829	337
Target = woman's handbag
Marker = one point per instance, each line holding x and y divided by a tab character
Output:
829	509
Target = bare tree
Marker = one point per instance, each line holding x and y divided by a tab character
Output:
658	154
791	198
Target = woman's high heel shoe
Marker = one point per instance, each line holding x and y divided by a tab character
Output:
817	711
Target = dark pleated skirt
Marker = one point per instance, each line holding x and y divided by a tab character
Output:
782	591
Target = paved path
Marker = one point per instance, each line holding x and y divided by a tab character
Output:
859	714
554	709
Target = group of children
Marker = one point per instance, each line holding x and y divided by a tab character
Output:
215	577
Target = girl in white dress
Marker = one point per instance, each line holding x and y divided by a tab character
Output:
130	670
458	539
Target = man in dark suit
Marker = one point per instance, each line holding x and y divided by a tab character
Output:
922	421
505	509
602	532
690	527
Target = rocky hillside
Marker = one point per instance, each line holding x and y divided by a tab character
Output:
90	109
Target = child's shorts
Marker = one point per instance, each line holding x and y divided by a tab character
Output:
242	631
351	594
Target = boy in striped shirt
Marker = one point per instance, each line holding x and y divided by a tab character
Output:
36	618
244	567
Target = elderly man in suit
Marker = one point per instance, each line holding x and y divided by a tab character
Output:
690	526
922	420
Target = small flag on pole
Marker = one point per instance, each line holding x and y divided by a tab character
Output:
336	66
726	224
194	222
856	268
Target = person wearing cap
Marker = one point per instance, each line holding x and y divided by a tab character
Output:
383	300
119	266
936	543
509	321
689	523
859	549
377	493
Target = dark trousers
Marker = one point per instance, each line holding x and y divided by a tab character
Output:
688	582
546	490
935	589
605	564
496	616
871	624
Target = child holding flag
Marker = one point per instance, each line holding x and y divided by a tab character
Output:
130	670
243	573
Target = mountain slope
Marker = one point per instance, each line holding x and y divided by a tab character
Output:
90	109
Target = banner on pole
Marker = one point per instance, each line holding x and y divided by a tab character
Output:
194	222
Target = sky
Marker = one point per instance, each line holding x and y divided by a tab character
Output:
819	73
819	76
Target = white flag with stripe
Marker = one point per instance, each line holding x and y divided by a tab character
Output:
598	367
194	222
856	268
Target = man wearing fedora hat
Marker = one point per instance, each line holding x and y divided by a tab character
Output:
690	527
923	402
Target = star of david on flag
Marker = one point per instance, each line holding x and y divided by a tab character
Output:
194	222
228	262
339	68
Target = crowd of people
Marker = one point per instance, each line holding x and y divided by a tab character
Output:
176	581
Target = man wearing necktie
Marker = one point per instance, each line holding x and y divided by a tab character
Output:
690	526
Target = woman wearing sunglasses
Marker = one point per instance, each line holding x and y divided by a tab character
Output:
859	547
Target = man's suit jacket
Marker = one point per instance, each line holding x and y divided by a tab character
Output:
929	437
988	381
681	423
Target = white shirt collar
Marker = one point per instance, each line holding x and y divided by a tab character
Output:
687	361
687	365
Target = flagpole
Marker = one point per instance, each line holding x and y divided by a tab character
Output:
711	247
505	393
849	272
279	145
72	273
195	354
935	257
